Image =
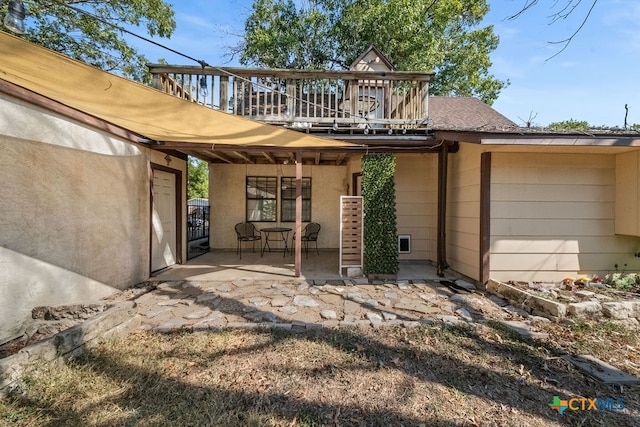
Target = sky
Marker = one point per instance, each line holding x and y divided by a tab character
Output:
591	80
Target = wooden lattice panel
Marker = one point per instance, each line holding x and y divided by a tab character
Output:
351	232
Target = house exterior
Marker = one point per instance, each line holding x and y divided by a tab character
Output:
474	192
94	174
538	206
90	205
77	217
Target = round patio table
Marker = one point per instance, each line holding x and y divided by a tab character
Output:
276	234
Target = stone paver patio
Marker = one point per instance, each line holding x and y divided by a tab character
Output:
203	305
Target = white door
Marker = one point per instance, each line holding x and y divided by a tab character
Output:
163	220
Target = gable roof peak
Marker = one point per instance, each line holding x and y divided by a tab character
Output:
371	55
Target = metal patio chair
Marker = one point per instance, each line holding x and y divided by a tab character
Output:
309	234
246	232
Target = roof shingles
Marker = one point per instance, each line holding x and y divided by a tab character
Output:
465	113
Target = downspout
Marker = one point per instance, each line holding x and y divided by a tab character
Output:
443	157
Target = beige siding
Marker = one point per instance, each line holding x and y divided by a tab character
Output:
463	211
628	193
553	215
75	217
227	199
416	183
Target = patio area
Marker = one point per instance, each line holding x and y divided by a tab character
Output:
219	290
227	265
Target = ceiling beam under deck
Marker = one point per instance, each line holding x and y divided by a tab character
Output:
269	157
203	155
317	155
244	156
222	157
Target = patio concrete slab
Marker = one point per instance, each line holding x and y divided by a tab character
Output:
322	267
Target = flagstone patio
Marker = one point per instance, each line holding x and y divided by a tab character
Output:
219	290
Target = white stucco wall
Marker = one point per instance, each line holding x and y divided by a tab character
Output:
227	199
74	221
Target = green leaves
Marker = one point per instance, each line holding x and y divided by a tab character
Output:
278	35
570	124
198	179
437	35
87	39
380	223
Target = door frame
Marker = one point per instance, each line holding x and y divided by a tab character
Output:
178	203
356	179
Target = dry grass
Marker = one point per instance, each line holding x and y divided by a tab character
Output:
430	376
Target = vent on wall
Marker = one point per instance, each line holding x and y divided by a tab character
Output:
404	243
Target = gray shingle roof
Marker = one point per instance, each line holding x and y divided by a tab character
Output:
465	113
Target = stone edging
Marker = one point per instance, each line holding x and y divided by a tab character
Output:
553	310
533	304
118	318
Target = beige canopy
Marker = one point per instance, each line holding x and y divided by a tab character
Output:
135	107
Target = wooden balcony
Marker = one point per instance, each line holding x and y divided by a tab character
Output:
303	99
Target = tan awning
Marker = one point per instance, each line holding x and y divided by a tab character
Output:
135	107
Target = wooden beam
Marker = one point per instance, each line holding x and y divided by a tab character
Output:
340	159
205	154
269	157
221	156
443	162
292	74
298	243
244	156
485	217
317	160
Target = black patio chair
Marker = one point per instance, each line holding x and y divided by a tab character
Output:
309	234
246	232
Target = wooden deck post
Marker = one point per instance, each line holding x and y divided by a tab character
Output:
298	243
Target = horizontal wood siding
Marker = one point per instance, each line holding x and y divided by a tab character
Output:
553	215
628	193
416	203
463	211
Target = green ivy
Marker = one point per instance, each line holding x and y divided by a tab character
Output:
380	223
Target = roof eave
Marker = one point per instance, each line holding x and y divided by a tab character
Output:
540	139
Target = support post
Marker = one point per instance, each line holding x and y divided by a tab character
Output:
485	217
443	156
298	242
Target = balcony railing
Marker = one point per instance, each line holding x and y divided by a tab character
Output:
304	99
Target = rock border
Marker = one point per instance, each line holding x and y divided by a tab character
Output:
118	318
557	311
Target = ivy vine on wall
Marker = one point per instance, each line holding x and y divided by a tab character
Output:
380	223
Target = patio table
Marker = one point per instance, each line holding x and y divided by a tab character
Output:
276	234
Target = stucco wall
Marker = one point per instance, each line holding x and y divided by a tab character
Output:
553	215
463	211
227	190
416	182
74	222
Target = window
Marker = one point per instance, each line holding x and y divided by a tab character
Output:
288	197
261	198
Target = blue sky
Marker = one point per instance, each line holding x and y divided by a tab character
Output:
591	80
